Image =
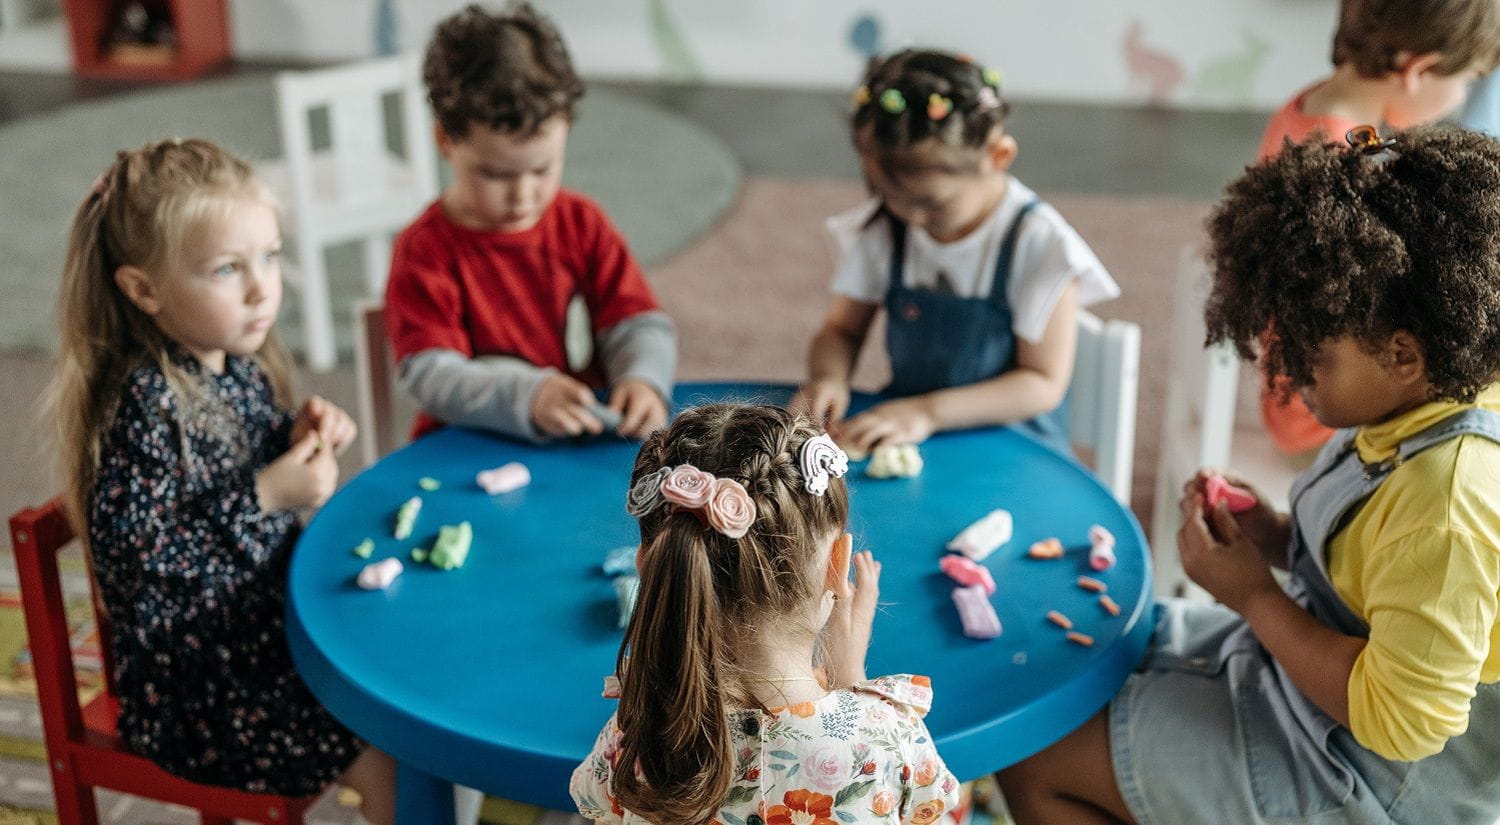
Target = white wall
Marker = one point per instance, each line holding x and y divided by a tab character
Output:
1191	53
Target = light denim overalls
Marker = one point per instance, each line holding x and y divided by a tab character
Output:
938	340
1213	729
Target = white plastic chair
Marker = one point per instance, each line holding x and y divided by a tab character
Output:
1102	396
1198	420
357	188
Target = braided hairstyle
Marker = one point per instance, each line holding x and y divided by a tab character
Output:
1322	242
701	592
896	104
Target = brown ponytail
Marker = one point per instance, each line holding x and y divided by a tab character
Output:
701	593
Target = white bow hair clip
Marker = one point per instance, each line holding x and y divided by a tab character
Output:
821	459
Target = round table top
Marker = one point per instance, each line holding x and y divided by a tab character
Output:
490	674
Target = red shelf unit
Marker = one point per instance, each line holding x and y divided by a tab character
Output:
202	40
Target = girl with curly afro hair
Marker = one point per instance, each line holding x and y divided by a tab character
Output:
1367	687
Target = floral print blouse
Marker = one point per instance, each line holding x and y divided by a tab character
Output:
861	755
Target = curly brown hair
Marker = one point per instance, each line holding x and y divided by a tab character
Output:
508	71
1322	242
1373	33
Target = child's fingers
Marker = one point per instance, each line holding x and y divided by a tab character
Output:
1224	524
306	447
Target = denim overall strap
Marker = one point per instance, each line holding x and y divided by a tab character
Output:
1327	496
937	340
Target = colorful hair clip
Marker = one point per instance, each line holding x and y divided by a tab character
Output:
861	96
819	460
991	76
1367	140
988	99
938	106
893	101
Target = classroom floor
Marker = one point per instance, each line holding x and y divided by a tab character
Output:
1136	182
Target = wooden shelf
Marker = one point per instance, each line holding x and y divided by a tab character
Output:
202	31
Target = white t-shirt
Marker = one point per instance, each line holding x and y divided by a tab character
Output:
1049	253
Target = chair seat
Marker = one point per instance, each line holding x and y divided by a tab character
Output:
101	717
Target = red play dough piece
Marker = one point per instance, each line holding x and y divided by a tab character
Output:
1217	490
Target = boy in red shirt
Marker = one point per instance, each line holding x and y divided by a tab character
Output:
481	283
1397	62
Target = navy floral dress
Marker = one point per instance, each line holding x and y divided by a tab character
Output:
193	573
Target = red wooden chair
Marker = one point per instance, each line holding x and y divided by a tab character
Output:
83	750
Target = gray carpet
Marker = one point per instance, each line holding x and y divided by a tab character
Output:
662	178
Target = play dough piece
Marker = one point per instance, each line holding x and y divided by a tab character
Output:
503	479
1109	605
1238	498
365	548
1080	639
1101	548
429	483
1046	549
419	554
1092	584
975	611
406	517
1060	620
894	461
967	573
980	539
627	588
452	546
608	417
620	561
378	575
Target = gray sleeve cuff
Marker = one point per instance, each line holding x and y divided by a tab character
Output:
643	346
492	393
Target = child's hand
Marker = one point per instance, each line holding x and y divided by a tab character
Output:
561	407
903	421
823	401
304	476
642	410
847	634
334	426
1222	560
1262	525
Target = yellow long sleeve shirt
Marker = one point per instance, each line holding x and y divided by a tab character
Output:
1420	563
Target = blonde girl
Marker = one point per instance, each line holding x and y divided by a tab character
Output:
185	471
723	715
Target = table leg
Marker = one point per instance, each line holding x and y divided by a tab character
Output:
421	798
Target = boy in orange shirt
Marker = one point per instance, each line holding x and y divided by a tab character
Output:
1398	62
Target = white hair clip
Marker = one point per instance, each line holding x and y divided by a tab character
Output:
820	459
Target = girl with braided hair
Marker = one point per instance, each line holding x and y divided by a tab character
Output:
724	713
981	282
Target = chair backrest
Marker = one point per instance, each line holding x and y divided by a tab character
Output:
375	370
1202	382
355	185
1102	397
37	535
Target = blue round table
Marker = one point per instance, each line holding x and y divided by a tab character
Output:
490	675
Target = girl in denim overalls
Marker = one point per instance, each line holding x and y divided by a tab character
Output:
1367	690
981	281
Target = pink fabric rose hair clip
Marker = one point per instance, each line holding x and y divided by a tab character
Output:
723	502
